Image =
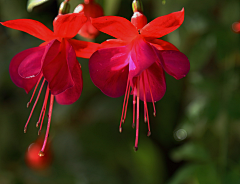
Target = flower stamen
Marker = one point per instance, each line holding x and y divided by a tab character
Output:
125	103
28	104
154	109
134	103
145	107
35	103
137	123
43	110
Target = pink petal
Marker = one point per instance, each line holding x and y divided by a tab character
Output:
68	25
72	94
31	27
117	27
174	63
26	84
108	70
56	69
83	49
162	45
31	65
163	25
113	43
142	57
154	83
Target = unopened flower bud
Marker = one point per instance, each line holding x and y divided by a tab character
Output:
64	7
139	20
93	10
137	6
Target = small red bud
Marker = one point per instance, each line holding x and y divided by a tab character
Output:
93	10
139	20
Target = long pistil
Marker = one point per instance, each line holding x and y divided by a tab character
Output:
137	120
154	109
41	153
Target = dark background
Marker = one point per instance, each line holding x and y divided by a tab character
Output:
195	136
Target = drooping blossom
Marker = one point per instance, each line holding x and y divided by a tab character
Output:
134	63
236	27
90	9
33	160
53	62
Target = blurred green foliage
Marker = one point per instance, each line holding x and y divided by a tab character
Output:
195	136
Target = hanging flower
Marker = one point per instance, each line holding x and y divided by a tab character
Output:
53	62
90	9
134	63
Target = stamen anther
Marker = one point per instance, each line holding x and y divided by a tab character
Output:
133	125
25	130
28	104
145	119
149	133
135	148
120	129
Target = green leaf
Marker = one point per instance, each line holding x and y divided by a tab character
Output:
190	151
196	174
32	3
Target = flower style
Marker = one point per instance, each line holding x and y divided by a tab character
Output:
90	9
137	60
33	160
54	62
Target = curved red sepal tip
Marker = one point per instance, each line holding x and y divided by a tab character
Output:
31	27
115	26
163	25
68	25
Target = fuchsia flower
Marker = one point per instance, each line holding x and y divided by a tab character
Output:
90	9
54	61
137	60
